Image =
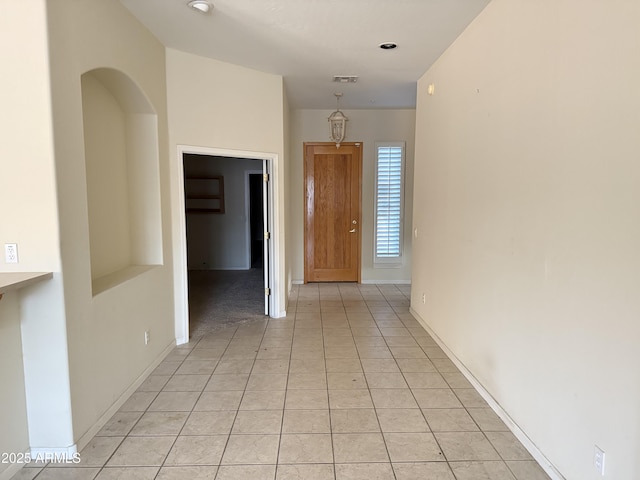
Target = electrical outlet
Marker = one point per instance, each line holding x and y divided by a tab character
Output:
11	252
147	337
598	460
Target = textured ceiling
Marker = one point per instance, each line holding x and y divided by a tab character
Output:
310	41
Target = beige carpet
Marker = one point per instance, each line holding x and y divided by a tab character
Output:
222	298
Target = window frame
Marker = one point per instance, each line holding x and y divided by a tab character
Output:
385	261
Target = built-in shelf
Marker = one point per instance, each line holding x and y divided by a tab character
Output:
17	280
204	194
107	282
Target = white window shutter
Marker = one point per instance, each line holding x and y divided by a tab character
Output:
389	196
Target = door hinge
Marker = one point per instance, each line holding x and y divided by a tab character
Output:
267	235
265	177
267	291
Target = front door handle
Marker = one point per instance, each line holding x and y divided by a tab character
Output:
353	230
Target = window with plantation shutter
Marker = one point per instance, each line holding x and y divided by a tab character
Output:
389	203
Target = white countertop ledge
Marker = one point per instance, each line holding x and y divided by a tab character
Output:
17	280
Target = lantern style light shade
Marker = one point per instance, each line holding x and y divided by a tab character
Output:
337	124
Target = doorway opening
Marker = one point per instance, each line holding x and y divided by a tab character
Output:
226	211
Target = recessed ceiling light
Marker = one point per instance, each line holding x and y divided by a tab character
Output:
202	6
388	45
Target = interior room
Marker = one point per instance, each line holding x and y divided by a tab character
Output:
224	234
493	337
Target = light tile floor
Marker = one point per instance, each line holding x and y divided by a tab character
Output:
348	386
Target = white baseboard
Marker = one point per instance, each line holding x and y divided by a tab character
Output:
221	268
367	282
531	447
386	282
86	438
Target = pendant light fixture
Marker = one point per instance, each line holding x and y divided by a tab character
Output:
337	123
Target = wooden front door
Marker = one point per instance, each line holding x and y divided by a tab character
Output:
333	182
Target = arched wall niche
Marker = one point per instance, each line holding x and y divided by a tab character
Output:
123	180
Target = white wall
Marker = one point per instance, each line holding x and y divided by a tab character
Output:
221	241
217	105
105	333
14	436
26	139
29	218
368	127
286	113
527	204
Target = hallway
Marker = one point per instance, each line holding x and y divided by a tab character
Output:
347	387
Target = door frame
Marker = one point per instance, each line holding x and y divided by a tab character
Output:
266	221
304	202
247	204
180	272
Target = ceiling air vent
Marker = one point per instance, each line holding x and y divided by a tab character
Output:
345	78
